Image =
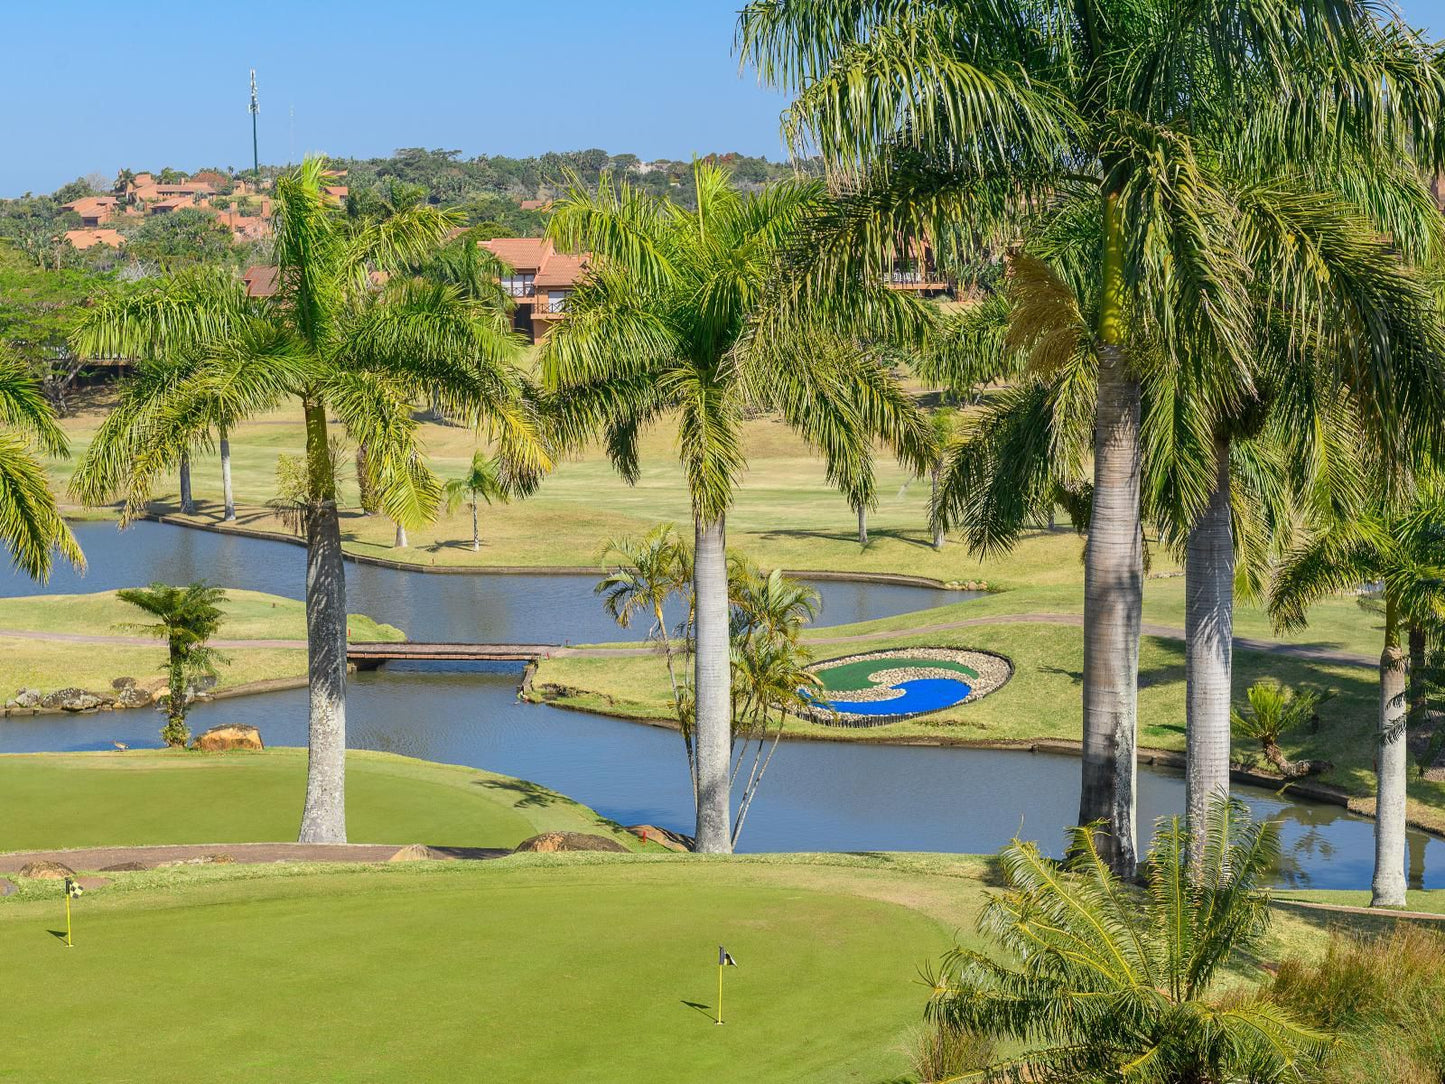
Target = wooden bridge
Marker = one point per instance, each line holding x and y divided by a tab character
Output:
369	656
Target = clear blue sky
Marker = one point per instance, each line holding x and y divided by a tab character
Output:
89	87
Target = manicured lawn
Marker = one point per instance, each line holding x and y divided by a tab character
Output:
167	796
579	967
250	615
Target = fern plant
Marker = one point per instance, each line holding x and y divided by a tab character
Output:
1109	983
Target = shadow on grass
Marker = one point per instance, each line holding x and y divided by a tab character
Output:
909	538
1075	676
532	794
701	1007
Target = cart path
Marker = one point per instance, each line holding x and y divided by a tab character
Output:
1309	652
97	858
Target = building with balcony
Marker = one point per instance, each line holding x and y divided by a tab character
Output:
540	282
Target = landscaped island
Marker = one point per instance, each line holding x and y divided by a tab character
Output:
57	647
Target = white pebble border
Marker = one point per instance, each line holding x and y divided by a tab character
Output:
993	671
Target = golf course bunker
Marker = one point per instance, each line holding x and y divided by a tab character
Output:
883	686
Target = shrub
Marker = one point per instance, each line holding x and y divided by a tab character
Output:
945	1052
1383	995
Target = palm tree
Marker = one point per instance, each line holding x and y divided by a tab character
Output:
187	618
31	526
1105	982
181	313
944	422
1400	547
1103	138
485	481
334	342
688	314
1273	711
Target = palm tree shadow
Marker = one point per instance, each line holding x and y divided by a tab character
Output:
1074	676
532	794
907	538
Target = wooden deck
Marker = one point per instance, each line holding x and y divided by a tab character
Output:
369	656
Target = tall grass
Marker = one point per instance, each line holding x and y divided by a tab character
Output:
1384	996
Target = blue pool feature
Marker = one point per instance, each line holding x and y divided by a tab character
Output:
919	695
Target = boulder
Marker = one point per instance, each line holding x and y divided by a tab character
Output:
133	696
82	701
663	837
7	887
551	842
59	697
120	684
124	867
229	736
27	698
415	852
46	871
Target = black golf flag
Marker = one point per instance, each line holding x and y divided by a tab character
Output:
724	958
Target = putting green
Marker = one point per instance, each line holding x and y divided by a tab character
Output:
853	676
501	971
173	796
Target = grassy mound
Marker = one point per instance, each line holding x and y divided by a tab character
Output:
169	796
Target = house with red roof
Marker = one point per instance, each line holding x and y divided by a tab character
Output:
93	210
540	281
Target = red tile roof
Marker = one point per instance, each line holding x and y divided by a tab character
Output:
260	281
91	238
521	253
561	270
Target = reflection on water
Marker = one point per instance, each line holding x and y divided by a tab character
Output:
818	796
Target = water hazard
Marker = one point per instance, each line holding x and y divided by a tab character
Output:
818	795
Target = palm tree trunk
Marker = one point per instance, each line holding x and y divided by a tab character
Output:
228	499
476	534
1113	582
862	525
712	724
324	818
364	494
188	505
399	541
933	504
1387	889
1208	649
1415	717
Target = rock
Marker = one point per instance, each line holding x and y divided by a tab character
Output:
551	842
663	837
199	860
124	867
415	852
204	683
229	736
59	697
46	871
120	684
133	697
81	702
7	887
27	698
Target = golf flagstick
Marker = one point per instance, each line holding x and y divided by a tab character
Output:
72	889
724	959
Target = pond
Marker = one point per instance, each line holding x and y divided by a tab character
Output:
817	796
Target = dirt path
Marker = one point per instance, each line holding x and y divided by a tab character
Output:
1164	632
98	858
